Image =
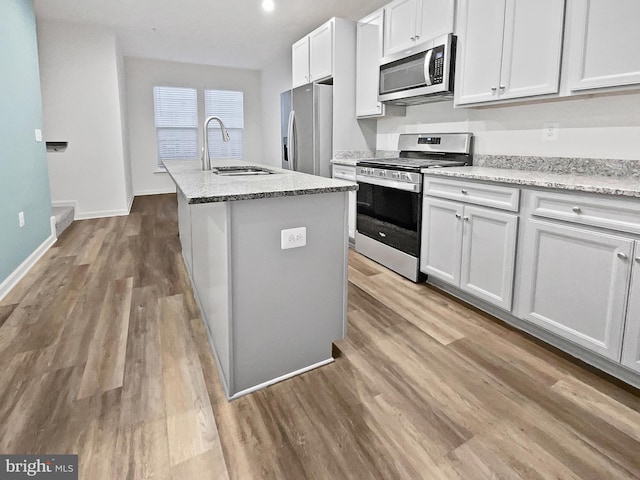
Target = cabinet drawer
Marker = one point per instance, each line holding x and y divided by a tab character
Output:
496	196
603	212
344	172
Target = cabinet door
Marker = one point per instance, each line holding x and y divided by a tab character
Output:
631	348
488	255
441	239
435	18
604	38
575	283
321	52
369	51
300	62
531	48
399	26
481	25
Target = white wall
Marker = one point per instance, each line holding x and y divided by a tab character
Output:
124	125
275	78
603	126
81	103
143	74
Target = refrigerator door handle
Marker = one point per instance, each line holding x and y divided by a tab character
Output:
291	144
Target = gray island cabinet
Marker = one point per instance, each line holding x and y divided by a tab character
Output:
267	257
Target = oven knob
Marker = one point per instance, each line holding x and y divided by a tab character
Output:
396	175
382	173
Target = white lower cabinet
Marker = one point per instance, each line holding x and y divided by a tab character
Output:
574	284
470	247
347	172
631	347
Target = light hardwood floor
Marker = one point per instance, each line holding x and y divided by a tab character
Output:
103	353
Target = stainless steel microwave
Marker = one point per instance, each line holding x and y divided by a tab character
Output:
419	75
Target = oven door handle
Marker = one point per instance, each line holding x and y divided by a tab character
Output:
383	182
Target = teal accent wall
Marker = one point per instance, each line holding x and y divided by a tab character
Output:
24	181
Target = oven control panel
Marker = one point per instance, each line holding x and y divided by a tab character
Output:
390	174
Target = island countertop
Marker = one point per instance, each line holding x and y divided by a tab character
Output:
199	186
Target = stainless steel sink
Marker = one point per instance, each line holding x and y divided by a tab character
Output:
242	170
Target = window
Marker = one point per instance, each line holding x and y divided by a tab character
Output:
229	106
177	123
176	116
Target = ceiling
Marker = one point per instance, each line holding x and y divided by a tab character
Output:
233	33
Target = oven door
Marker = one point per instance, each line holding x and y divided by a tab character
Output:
390	213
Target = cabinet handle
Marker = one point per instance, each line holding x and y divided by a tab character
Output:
622	256
577	209
464	192
466	219
417	37
502	87
458	216
493	89
413	39
638	259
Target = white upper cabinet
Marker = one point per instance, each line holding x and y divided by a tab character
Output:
631	348
369	50
369	39
412	22
300	62
508	49
603	38
312	56
321	52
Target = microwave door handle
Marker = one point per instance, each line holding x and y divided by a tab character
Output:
427	64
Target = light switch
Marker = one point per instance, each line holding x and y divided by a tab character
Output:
38	135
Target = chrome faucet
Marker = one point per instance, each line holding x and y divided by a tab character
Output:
206	160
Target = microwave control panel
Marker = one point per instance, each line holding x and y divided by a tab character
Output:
437	65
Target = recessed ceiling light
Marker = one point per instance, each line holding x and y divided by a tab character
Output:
268	5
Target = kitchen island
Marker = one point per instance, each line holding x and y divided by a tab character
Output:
267	257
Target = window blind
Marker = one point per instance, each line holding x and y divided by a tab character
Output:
229	106
176	120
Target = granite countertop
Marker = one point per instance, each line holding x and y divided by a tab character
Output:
608	185
199	186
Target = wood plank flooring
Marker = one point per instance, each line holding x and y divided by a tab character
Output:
103	353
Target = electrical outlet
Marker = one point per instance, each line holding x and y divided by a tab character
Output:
550	131
293	238
38	135
21	219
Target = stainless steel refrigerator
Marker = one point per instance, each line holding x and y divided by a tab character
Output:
307	129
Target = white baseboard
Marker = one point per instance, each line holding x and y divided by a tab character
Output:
89	215
130	204
19	273
158	191
102	214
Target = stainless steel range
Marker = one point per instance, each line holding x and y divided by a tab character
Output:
389	207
